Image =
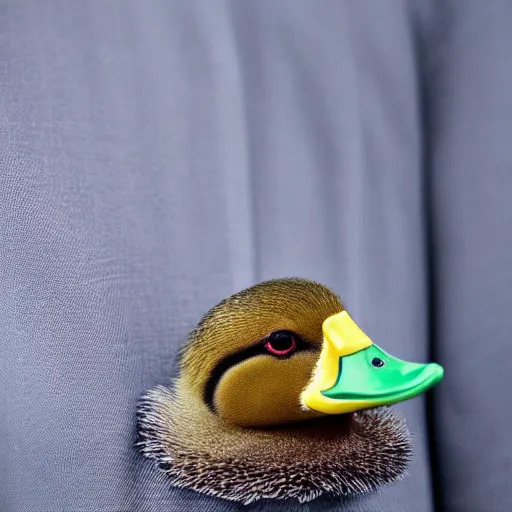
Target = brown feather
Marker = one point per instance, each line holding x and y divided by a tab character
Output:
333	456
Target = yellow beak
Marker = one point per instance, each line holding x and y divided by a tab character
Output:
342	337
352	373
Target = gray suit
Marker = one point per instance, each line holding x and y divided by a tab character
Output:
158	156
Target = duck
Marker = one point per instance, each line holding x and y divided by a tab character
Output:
281	395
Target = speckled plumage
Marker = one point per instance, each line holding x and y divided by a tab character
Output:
339	455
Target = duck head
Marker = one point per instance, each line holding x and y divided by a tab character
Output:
276	397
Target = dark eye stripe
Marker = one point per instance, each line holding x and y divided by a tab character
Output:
236	358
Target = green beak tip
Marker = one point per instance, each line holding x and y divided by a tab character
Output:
374	376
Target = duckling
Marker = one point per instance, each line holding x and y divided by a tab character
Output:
279	396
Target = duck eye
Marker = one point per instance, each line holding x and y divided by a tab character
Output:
281	343
378	362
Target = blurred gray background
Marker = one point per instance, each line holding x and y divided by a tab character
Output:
158	156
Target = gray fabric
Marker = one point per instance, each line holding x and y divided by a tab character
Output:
471	180
156	157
